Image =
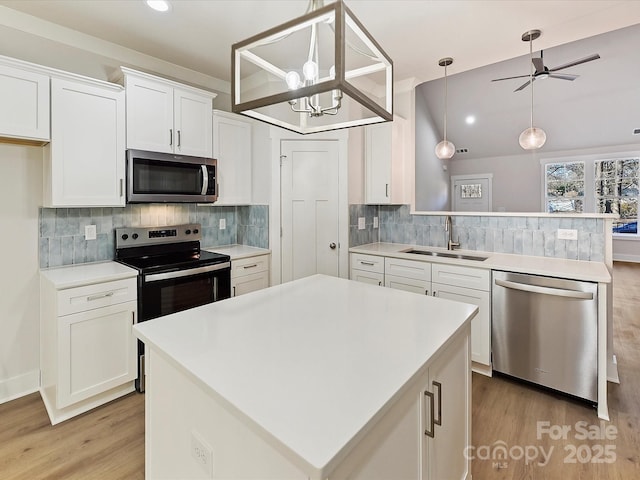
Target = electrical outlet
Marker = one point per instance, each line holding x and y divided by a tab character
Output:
223	223
202	453
567	234
361	224
90	232
375	222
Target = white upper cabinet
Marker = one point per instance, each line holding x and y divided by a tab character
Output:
165	116
384	162
24	97
232	149
85	161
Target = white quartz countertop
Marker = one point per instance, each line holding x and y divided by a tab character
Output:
552	267
309	362
239	251
86	274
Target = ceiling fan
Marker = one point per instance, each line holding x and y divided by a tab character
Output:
542	71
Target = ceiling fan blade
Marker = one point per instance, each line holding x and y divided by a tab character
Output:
509	78
537	62
595	56
561	76
523	86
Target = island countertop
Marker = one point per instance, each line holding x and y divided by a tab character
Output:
310	362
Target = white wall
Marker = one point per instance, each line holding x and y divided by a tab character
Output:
20	197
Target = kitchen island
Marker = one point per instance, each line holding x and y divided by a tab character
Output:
313	379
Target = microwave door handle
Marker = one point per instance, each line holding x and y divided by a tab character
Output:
205	180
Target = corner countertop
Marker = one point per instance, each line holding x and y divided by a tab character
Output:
237	252
71	276
552	267
313	374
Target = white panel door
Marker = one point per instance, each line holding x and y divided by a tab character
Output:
149	115
193	124
309	189
471	193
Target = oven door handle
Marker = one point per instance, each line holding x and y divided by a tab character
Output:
156	277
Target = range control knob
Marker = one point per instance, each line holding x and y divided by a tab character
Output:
125	236
134	236
195	230
187	231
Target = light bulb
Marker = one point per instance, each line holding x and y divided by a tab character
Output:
310	70
532	138
292	79
445	149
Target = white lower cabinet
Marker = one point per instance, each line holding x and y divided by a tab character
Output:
88	351
367	269
407	275
249	274
425	435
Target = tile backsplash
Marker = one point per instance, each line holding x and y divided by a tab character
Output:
535	236
62	239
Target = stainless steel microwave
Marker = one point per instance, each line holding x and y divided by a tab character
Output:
154	177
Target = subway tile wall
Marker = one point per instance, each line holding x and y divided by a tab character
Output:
62	239
535	236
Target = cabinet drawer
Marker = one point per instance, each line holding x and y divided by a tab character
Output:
408	268
89	297
249	265
413	285
369	263
467	277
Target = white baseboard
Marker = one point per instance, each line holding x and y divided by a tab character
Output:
19	386
626	258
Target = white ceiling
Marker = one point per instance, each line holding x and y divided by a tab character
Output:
198	34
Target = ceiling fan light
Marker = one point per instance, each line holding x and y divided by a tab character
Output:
445	150
532	138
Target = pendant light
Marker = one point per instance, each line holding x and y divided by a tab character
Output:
445	149
533	137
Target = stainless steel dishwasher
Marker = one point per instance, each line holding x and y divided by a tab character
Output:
545	330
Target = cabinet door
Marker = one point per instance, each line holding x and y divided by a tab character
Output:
96	352
413	285
192	122
232	148
24	97
87	150
480	325
249	283
364	276
149	115
450	384
378	154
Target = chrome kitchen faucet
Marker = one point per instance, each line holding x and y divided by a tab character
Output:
448	227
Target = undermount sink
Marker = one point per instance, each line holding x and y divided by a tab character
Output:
459	256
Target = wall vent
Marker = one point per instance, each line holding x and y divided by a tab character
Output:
462	150
636	131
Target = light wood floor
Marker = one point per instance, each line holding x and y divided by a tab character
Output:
108	443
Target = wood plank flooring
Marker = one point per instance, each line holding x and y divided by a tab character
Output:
108	443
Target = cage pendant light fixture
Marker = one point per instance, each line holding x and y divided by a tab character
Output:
318	72
533	137
445	149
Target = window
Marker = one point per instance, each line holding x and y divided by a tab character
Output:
616	191
564	187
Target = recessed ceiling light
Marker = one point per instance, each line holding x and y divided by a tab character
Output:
470	119
158	5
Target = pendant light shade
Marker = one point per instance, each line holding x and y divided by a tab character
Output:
318	72
533	137
445	149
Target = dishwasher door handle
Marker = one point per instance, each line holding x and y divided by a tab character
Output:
544	290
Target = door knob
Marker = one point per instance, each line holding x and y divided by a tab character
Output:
332	246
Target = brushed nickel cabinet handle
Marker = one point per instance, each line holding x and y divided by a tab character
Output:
171	136
91	298
429	432
438	419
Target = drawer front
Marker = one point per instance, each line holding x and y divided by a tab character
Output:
249	265
408	269
369	263
467	277
89	297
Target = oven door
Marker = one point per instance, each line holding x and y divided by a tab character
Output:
169	292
